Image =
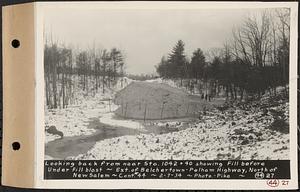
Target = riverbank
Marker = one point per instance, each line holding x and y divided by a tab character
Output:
241	131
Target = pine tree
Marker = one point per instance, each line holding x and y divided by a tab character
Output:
178	61
197	64
163	69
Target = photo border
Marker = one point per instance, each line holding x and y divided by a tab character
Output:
155	183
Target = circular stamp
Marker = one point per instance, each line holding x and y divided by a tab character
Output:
259	175
273	182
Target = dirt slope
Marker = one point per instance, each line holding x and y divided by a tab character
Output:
152	100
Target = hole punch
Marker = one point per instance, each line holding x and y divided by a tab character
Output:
16	146
15	43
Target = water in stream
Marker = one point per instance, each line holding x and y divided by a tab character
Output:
73	146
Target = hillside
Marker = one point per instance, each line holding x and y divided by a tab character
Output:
253	130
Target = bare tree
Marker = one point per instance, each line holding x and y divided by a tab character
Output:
251	40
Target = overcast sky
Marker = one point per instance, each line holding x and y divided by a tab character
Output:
144	35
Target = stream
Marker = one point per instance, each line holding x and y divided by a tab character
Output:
73	146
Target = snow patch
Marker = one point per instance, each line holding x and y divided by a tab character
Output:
109	118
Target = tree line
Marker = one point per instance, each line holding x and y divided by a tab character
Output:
254	60
96	70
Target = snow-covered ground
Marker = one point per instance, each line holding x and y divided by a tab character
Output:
50	137
110	119
184	85
73	120
232	134
169	82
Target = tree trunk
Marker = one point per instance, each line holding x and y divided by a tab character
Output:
145	112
